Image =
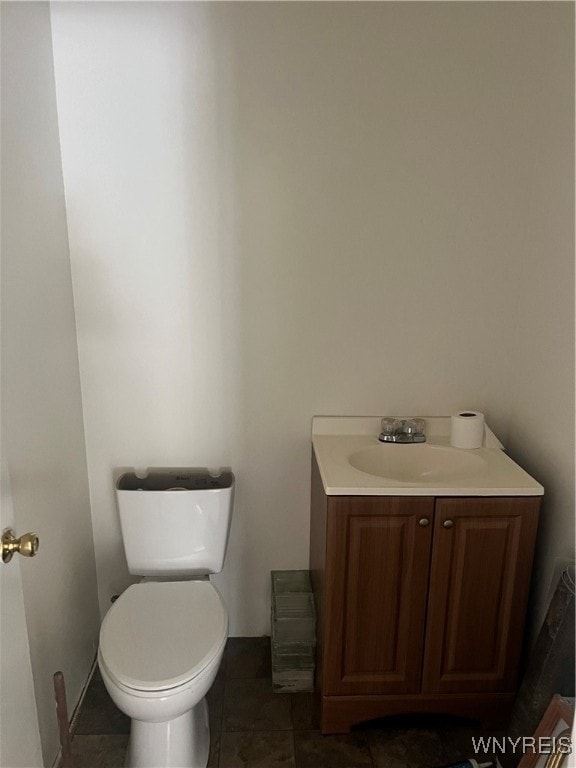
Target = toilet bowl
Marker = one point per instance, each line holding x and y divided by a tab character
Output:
161	644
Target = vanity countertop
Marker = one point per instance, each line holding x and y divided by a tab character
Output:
353	462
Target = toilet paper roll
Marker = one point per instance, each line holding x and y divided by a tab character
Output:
467	429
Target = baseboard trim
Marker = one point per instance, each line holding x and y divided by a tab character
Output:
76	712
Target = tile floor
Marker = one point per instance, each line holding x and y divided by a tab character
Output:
252	727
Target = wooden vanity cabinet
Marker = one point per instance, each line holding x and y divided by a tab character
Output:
421	603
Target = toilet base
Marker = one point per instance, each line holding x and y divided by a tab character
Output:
180	743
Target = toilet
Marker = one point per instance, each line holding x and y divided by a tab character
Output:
162	641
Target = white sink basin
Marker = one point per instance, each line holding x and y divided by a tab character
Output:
417	463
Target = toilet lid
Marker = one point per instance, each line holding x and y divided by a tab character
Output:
158	635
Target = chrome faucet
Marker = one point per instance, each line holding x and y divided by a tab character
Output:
402	431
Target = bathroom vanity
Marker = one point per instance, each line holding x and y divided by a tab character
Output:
421	571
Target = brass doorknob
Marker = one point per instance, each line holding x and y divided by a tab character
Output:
27	545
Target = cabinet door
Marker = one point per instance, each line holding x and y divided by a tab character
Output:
378	554
479	583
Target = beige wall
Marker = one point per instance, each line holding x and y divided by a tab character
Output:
283	209
43	435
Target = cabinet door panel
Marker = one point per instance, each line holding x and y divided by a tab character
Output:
376	580
479	581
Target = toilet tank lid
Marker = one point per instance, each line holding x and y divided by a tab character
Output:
159	635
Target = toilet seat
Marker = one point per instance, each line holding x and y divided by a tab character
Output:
160	635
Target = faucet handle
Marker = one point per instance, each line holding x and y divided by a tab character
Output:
414	426
420	425
388	424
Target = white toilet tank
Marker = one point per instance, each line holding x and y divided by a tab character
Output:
175	522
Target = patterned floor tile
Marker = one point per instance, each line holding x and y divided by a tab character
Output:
99	751
251	705
214	754
406	748
272	749
305	715
99	714
248	657
316	751
215	699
